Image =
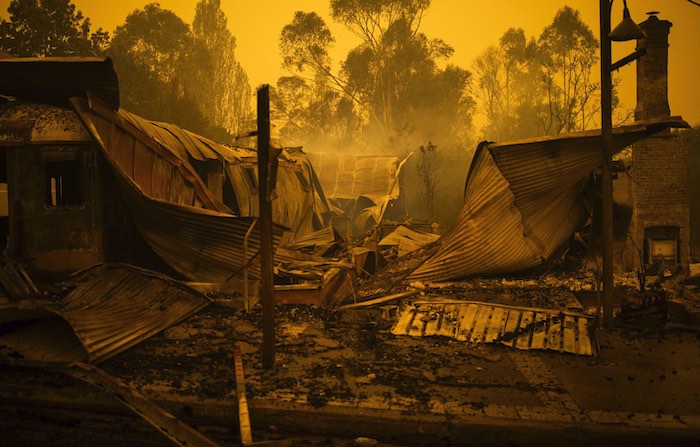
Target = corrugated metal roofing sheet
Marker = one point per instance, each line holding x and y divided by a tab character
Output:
175	213
349	176
56	79
523	201
517	327
111	309
181	141
153	168
407	240
300	207
370	183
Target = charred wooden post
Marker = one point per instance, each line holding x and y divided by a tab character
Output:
606	177
265	226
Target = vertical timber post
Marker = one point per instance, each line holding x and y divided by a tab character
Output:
606	176
265	226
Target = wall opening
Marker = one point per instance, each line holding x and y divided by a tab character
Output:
62	179
662	243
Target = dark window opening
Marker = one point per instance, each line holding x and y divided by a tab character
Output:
63	185
252	177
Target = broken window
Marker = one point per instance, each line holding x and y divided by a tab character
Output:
62	179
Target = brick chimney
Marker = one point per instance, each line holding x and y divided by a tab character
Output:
659	230
652	70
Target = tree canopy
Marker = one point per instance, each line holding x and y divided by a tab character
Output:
187	76
49	28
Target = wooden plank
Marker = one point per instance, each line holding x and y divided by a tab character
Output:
403	324
511	327
539	331
447	327
569	327
384	299
585	347
243	414
495	327
523	340
466	321
177	431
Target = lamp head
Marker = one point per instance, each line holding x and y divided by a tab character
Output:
627	29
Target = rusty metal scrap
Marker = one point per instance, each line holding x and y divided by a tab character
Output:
407	240
176	214
151	168
517	327
523	202
364	184
112	308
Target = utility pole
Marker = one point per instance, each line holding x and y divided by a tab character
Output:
265	226
606	176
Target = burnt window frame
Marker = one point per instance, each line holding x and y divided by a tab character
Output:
67	155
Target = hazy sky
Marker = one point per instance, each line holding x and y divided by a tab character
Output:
468	26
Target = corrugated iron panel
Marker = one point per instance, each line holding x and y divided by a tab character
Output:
152	167
298	206
372	182
407	240
180	141
349	176
56	79
517	327
523	201
111	309
116	307
200	244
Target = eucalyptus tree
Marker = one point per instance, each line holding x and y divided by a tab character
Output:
49	28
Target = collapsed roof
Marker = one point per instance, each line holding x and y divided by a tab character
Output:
363	186
524	200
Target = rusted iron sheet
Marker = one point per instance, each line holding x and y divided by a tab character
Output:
407	240
181	141
523	202
349	176
15	281
177	431
177	216
153	169
56	79
516	327
112	308
300	205
386	279
365	184
25	124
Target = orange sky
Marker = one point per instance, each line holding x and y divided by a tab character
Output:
466	25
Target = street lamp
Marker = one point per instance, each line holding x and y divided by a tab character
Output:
626	30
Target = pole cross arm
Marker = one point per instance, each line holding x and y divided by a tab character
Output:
639	52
